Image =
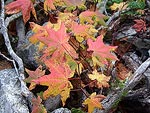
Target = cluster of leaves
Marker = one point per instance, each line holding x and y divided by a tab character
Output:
135	5
71	45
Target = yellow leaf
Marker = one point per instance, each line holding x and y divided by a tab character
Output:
119	6
102	80
94	102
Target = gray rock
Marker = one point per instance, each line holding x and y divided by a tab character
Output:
29	52
11	99
52	103
62	110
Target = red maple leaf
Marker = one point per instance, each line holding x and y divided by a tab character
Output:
100	50
25	6
140	25
58	39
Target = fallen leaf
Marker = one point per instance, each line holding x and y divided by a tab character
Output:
121	71
140	25
94	102
101	79
100	50
120	6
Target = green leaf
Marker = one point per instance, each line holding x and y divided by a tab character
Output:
74	110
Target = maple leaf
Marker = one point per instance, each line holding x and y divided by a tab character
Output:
37	106
49	4
102	80
94	102
100	50
57	81
140	25
91	17
78	28
25	6
56	39
83	32
80	31
120	6
33	75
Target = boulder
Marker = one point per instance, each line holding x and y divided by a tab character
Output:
11	98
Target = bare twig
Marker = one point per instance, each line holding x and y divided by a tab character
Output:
7	41
11	18
10	61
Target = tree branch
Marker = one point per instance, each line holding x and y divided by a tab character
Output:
11	18
7	41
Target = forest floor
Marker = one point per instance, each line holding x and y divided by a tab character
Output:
129	31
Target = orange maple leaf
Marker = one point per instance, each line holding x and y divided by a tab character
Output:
100	50
37	106
57	81
140	25
25	6
94	102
